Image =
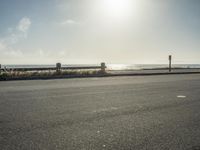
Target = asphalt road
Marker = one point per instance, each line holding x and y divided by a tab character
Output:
120	113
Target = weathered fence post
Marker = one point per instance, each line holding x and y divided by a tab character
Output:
58	67
170	63
103	67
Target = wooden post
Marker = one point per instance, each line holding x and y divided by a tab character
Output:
58	67
103	67
170	63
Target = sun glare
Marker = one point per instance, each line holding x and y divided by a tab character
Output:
118	8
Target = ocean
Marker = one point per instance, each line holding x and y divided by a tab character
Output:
114	66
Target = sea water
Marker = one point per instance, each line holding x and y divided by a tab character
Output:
112	66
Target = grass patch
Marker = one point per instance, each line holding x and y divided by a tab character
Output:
43	74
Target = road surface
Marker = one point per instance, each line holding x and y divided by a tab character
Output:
118	113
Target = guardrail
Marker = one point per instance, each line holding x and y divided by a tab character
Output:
58	67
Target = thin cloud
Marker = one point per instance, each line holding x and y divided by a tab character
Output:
24	24
69	22
18	33
13	53
2	46
14	35
40	52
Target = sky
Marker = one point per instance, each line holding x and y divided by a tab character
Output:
94	31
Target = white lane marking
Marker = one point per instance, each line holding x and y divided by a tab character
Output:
113	108
181	96
105	109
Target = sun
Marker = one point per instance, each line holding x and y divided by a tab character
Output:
118	8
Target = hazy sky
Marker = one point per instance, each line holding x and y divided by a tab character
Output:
92	31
